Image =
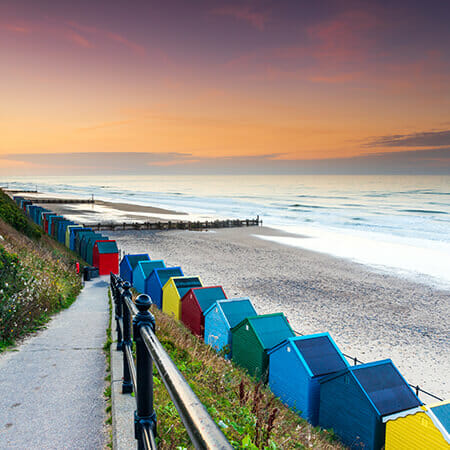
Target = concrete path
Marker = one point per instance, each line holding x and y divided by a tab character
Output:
51	389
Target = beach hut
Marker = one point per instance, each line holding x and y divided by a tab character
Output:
296	366
173	290
221	317
142	272
84	243
53	221
90	246
423	427
79	237
62	230
128	263
195	302
73	232
253	337
157	279
106	257
47	218
42	219
354	401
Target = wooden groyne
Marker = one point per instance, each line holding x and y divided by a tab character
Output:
176	225
61	200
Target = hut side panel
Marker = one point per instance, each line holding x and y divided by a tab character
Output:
217	330
191	313
289	380
247	351
414	431
345	409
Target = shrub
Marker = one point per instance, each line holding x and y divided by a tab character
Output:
11	214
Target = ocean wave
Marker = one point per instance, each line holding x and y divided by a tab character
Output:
423	211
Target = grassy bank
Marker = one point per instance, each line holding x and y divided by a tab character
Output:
248	413
37	275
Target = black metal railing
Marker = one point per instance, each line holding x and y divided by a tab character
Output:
356	361
136	323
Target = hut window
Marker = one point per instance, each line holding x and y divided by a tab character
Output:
246	327
424	422
346	379
217	310
288	349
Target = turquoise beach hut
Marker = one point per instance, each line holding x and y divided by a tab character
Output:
142	272
354	401
128	263
221	317
157	279
297	365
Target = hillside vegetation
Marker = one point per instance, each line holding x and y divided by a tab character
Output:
37	275
247	412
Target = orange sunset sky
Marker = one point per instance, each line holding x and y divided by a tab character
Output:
282	85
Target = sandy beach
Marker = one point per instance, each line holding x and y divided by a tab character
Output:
370	315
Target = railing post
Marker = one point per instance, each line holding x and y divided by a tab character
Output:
118	311
127	386
144	416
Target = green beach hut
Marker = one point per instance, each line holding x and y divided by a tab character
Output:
254	337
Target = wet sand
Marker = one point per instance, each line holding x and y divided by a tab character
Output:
371	315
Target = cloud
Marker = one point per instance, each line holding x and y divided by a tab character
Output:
109	35
15	28
421	139
430	161
78	40
256	19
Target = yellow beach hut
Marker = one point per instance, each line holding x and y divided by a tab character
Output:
174	290
424	427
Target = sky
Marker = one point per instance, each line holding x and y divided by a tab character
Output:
209	86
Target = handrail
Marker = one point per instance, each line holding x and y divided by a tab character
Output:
201	428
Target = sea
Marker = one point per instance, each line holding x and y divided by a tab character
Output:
395	224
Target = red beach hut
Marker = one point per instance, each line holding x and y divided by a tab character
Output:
106	257
195	302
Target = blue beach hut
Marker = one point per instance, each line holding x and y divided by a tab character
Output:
73	234
62	230
296	366
157	279
354	401
128	263
142	272
60	235
221	317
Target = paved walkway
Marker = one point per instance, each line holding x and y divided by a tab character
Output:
51	389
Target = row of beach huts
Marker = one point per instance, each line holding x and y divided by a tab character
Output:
368	406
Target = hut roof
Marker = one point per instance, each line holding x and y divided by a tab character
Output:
271	329
168	272
148	266
207	296
236	309
442	412
134	259
107	247
384	386
320	354
183	284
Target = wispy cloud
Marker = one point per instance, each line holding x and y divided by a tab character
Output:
256	19
109	35
421	139
429	161
15	28
79	40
